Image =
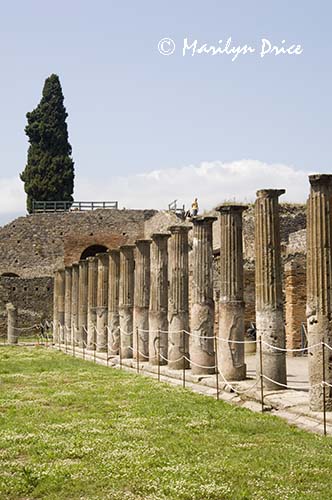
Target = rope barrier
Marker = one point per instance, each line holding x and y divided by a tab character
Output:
196	364
284	349
292	387
125	333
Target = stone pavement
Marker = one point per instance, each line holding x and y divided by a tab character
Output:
290	404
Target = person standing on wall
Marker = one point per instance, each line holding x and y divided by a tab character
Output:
194	208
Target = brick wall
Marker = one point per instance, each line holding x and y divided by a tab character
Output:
295	298
33	297
37	244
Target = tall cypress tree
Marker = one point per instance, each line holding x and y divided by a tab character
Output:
49	173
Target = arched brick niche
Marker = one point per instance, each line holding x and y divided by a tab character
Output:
92	250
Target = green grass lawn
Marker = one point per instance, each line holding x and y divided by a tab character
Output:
73	430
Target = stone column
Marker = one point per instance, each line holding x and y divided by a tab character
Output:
12	332
61	303
102	301
141	300
126	299
74	301
113	302
158	322
82	303
231	304
319	287
55	309
269	300
202	310
68	290
92	302
178	304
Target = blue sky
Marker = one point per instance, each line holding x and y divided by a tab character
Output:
147	128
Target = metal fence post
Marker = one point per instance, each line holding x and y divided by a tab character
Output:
261	371
158	354
137	360
324	389
216	363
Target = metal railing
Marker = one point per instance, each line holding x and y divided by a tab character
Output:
172	207
66	206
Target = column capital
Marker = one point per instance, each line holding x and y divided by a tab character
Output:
203	219
102	257
160	236
178	229
127	247
143	242
270	193
91	259
320	180
113	251
225	208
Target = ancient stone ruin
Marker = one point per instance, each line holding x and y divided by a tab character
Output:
153	287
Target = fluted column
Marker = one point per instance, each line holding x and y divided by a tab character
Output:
55	309
231	305
141	300
158	322
113	302
61	303
319	287
201	343
269	300
102	301
126	299
68	290
74	301
178	304
82	303
92	302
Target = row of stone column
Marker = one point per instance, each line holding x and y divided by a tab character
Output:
128	292
136	300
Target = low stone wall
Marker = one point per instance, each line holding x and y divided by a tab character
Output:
33	297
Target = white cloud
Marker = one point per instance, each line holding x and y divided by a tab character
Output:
12	196
212	182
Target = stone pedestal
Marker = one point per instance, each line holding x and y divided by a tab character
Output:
178	303
269	300
102	301
126	300
141	300
231	304
319	287
158	322
74	301
12	331
113	302
92	302
201	343
68	290
82	303
61	303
